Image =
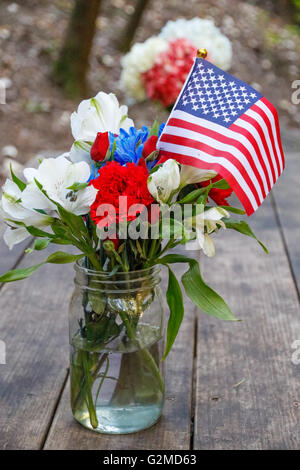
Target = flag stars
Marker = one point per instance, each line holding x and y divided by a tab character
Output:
212	95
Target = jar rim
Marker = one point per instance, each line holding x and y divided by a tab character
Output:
106	275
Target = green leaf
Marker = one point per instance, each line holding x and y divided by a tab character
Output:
235	210
200	293
75	222
18	274
175	302
78	186
221	184
192	196
21	185
155	168
60	257
154	129
202	199
41	243
242	227
203	296
36	232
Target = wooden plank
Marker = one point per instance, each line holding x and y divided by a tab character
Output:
174	428
287	196
262	412
33	324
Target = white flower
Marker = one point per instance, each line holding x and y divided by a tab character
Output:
192	175
139	59
14	235
164	181
99	114
13	211
202	33
56	175
207	222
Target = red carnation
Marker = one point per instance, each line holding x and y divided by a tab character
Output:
218	195
115	180
149	146
165	79
100	147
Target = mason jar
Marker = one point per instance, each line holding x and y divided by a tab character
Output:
116	341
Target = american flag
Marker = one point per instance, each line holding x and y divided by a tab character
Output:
220	123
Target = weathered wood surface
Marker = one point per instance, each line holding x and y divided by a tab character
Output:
173	431
286	194
247	391
33	325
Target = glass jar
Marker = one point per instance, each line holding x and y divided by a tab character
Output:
116	337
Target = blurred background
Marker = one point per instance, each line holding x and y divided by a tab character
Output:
56	52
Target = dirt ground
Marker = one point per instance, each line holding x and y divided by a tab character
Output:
36	115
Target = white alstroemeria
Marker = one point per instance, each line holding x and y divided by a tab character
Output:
164	181
191	175
56	175
14	235
99	114
207	222
13	211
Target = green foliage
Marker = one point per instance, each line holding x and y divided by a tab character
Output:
55	258
175	302
200	293
77	186
221	184
21	185
192	196
242	227
41	243
154	129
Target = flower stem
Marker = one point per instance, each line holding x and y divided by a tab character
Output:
143	351
91	407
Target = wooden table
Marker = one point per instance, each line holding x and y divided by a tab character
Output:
229	386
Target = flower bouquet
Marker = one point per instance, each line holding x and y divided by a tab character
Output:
157	68
123	211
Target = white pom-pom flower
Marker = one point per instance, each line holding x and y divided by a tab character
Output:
140	59
202	33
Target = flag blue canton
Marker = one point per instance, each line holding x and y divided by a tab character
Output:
214	95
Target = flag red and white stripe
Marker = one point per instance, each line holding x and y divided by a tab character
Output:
247	152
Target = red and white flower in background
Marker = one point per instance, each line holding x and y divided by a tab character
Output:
164	81
157	68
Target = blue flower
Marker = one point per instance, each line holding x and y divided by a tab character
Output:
152	164
129	146
161	128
